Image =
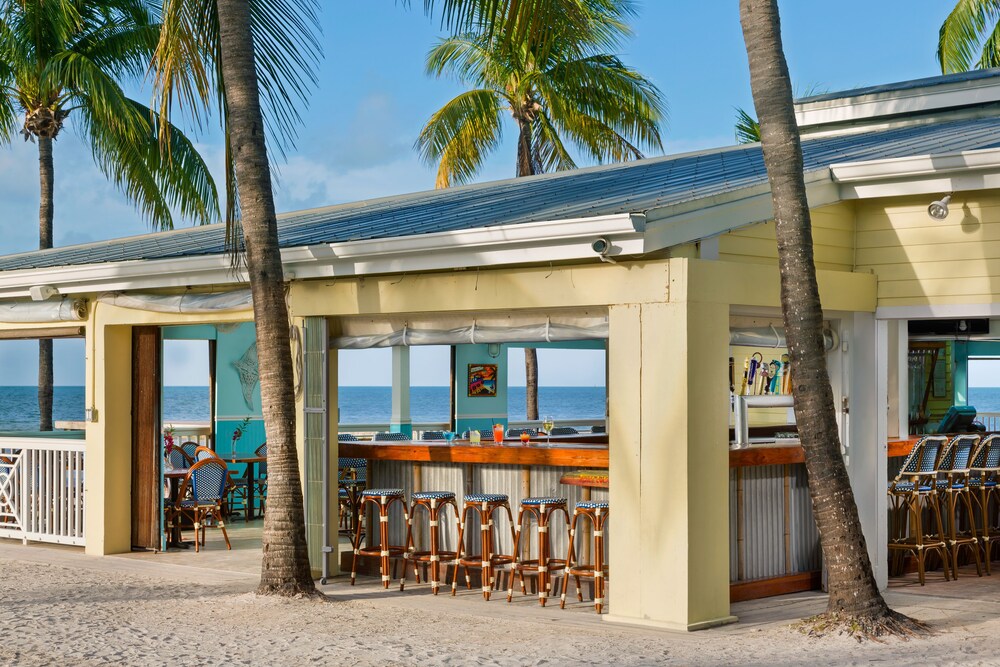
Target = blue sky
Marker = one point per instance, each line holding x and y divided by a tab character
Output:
373	97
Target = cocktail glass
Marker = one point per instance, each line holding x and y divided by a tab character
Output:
449	436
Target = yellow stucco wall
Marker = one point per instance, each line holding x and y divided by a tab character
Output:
922	261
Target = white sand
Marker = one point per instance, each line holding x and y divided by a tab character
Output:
58	607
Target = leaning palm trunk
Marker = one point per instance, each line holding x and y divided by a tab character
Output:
285	565
526	166
46	174
854	596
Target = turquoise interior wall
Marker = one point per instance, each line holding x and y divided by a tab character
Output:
479	412
230	406
190	332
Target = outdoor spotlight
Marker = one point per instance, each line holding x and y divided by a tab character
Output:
602	247
939	209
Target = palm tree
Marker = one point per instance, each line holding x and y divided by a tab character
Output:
970	37
563	88
855	602
63	61
238	53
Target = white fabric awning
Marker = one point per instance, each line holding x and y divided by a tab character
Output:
236	300
362	333
63	310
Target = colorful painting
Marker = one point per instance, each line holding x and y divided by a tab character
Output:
482	379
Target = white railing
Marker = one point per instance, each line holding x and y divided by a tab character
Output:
41	490
991	420
193	432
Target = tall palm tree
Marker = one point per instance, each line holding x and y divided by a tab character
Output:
239	53
970	37
855	602
558	88
65	60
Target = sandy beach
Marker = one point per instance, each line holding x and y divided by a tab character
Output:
58	606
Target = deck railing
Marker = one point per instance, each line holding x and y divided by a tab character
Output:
41	490
991	420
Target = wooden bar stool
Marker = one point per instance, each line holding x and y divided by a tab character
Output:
597	512
383	499
542	510
433	502
954	485
488	559
985	469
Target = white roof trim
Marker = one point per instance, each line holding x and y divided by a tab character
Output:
931	97
921	174
536	242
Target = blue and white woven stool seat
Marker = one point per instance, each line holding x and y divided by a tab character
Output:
543	501
352	463
342	493
976	481
593	504
433	495
486	498
388	493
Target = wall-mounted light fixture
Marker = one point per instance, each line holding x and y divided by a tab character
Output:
939	209
493	349
42	292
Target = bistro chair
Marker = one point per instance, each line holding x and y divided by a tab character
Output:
516	432
599	428
202	452
390	436
260	481
563	430
383	500
913	493
206	480
190	448
542	510
178	459
484	433
488	558
347	437
432	435
351	481
984	471
597	513
954	484
434	503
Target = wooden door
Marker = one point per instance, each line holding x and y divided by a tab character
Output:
146	352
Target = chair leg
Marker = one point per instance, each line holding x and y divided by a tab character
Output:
570	560
357	547
517	558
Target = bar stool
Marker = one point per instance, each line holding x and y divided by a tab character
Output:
542	509
912	493
383	499
954	467
597	512
483	504
986	468
433	502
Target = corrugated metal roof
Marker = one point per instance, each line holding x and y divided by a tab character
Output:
605	190
899	86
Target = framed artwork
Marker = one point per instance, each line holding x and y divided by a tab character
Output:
482	380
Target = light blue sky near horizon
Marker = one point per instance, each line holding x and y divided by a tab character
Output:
373	97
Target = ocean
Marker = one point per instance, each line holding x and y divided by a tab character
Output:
19	405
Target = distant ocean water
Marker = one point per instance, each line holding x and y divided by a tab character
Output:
985	399
19	405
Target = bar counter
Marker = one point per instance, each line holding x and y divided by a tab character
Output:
537	453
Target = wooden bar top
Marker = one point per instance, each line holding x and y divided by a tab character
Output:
564	454
901	447
765	455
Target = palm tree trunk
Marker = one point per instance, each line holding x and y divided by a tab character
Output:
46	174
285	564
526	167
853	591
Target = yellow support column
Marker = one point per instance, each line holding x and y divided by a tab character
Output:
108	449
668	418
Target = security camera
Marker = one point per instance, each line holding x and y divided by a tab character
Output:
602	247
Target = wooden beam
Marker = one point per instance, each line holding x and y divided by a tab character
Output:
764	588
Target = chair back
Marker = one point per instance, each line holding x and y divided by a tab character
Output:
178	459
262	466
354	469
203	452
599	428
921	461
207	480
347	437
484	433
563	430
432	435
190	448
987	457
390	436
956	456
516	432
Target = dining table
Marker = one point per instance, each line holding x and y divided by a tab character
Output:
251	463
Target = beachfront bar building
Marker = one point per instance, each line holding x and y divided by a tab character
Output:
668	263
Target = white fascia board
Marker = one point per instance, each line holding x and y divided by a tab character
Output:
921	174
892	103
537	242
704	218
950	311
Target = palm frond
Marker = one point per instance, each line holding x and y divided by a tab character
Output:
747	127
460	135
962	35
549	146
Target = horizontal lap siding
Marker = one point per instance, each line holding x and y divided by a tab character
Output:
833	238
919	260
